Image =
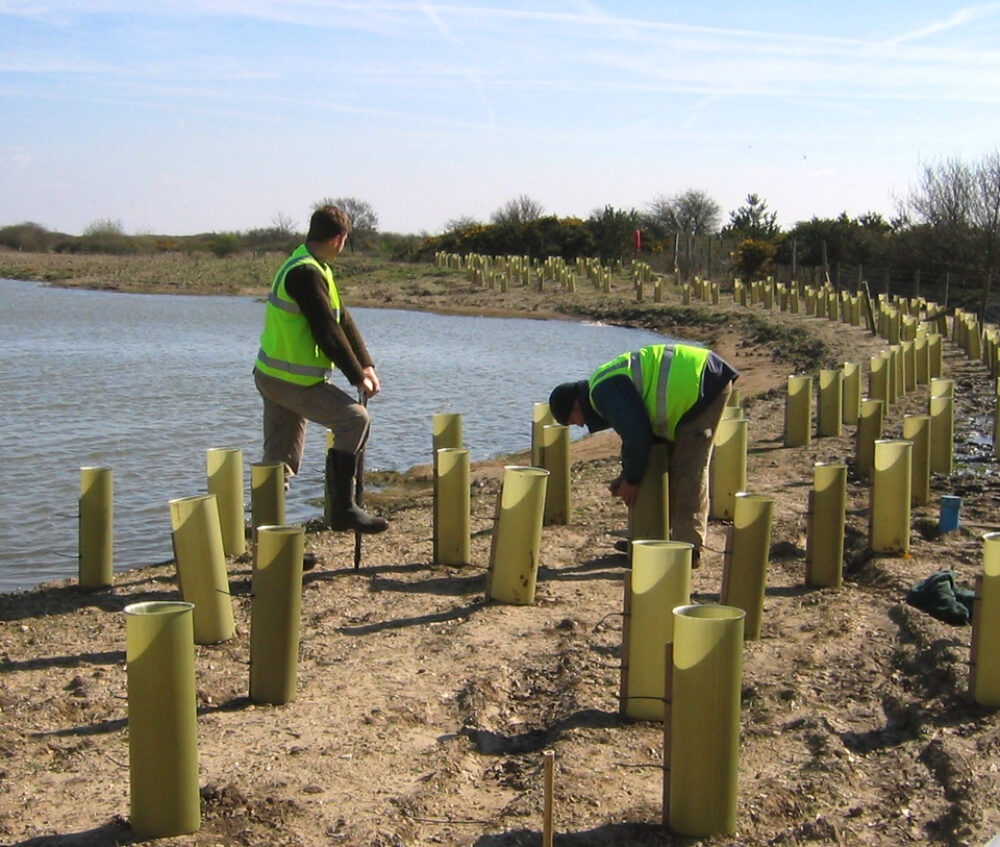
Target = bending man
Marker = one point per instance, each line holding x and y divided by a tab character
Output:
307	332
668	392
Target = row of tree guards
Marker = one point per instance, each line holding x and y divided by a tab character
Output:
681	663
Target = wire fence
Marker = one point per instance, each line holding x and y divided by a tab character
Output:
713	257
975	293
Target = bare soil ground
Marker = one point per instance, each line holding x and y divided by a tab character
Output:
422	711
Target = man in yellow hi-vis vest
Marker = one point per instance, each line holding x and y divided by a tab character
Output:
308	332
668	392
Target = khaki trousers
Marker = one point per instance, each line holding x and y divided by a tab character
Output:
690	454
288	406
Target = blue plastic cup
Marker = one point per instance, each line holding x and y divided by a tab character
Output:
950	507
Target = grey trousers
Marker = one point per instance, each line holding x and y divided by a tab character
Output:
288	406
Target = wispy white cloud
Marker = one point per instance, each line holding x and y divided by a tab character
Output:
509	85
960	18
16	159
574	45
431	14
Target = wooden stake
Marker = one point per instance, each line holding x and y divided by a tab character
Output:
667	718
549	773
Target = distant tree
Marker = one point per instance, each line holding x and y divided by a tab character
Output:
753	221
944	195
859	241
612	231
942	202
364	220
225	244
552	236
520	210
692	213
284	225
280	236
955	208
460	223
986	211
662	216
874	223
697	213
104	227
539	238
28	236
104	236
753	258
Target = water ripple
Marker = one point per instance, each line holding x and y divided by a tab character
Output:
146	384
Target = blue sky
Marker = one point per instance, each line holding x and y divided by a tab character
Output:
214	115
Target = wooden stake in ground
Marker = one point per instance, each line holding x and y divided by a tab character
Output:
359	485
548	773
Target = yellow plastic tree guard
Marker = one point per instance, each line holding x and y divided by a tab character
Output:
275	614
897	376
446	434
542	418
660	579
798	411
942	387
825	539
702	771
921	360
878	378
649	517
201	566
868	432
96	528
162	719
935	354
745	563
909	357
996	425
447	430
942	449
517	536
852	392
224	467
889	510
453	506
984	680
728	467
917	429
831	402
555	459
267	494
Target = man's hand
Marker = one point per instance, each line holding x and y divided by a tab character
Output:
370	384
621	487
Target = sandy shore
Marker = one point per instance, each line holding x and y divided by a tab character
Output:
422	711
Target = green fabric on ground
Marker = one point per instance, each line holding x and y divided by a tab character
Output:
941	597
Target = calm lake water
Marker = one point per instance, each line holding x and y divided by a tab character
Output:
145	384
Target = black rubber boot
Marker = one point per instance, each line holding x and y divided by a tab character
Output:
344	514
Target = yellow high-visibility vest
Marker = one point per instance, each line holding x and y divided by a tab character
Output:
288	350
667	377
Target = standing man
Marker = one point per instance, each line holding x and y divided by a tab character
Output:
308	332
663	392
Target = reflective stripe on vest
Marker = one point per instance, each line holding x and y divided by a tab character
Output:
667	377
290	367
288	350
285	305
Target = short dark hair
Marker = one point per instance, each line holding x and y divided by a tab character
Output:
562	398
328	222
